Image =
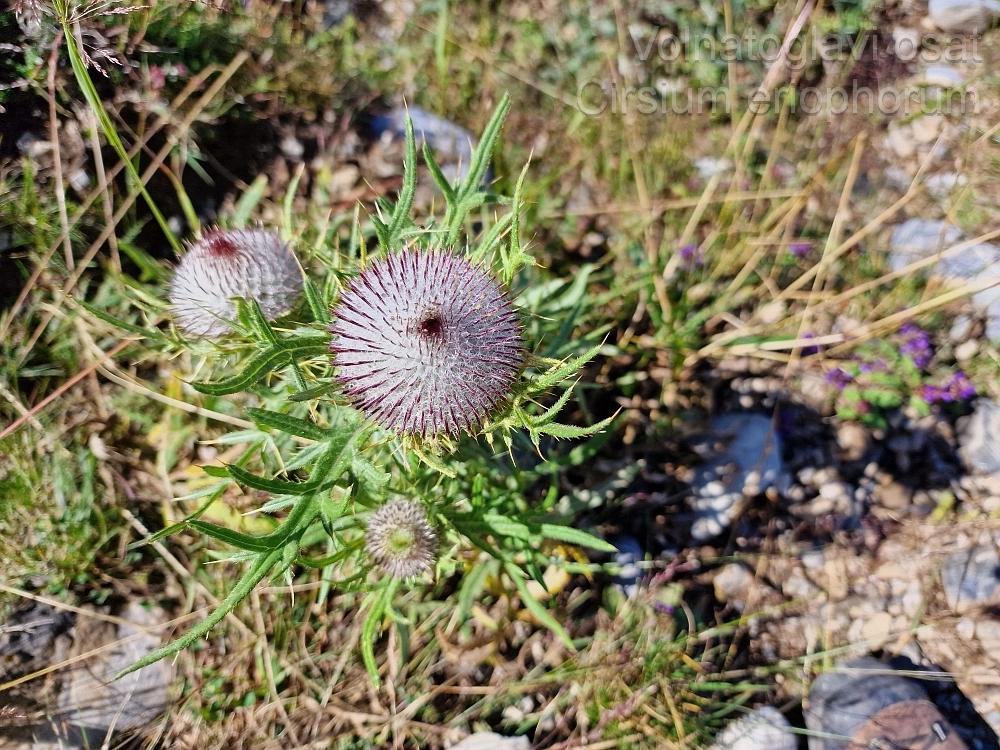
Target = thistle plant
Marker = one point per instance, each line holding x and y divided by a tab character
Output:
389	404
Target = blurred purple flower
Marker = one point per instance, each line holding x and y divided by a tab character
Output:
799	249
957	388
690	257
917	345
809	350
838	378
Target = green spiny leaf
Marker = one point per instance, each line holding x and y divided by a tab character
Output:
575	536
287	423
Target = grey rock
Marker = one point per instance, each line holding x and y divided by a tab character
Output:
942	75
841	701
941	185
960	329
452	144
763	729
915	239
979	437
971	578
492	741
732	585
749	464
963	16
92	702
630	554
709	166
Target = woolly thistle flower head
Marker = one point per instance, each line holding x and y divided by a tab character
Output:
400	539
426	343
233	263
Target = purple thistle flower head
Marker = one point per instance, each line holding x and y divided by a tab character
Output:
400	539
233	263
426	343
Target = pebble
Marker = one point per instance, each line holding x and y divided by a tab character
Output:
906	43
942	75
750	464
966	629
452	144
709	166
943	184
854	441
630	554
979	437
877	630
915	239
763	729
963	16
913	599
732	585
797	586
292	148
894	496
988	633
960	329
971	577
492	741
966	350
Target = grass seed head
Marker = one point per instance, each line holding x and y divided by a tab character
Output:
233	263
400	540
426	343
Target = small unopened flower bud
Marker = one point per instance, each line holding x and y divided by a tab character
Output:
426	343
400	540
233	263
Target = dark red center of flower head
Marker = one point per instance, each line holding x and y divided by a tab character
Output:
220	246
431	326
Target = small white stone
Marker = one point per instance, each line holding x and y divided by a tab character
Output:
942	75
966	629
877	630
966	350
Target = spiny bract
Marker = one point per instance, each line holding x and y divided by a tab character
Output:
233	263
426	343
400	539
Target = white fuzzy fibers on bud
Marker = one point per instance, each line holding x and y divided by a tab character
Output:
246	263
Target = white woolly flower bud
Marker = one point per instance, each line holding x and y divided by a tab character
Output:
400	540
246	263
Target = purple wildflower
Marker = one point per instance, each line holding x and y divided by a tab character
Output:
690	257
839	378
799	249
426	343
917	345
957	388
961	386
809	350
